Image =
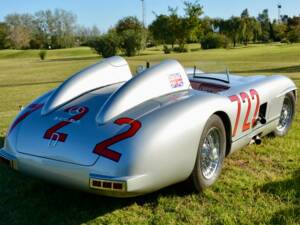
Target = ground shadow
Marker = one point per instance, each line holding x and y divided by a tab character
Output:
141	54
195	49
74	59
26	200
31	83
288	69
287	190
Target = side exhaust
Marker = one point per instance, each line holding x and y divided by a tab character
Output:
256	140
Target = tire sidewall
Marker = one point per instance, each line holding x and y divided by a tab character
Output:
281	133
199	180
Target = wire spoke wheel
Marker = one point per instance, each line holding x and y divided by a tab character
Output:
210	153
286	115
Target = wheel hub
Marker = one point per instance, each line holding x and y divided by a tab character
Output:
285	116
210	153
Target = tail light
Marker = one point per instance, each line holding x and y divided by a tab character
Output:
108	185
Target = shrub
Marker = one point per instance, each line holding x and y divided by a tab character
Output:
180	49
133	35
107	45
43	54
214	40
132	42
294	35
285	41
35	44
167	50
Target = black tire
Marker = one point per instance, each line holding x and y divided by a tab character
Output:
289	101
200	181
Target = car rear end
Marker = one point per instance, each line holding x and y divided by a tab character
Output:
108	140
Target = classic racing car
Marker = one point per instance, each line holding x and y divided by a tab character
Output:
107	132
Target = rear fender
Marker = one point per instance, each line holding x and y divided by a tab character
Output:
165	148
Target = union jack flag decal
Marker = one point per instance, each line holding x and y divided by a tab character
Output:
175	80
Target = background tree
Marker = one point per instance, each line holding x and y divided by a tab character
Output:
232	29
4	36
278	31
174	29
264	20
132	35
20	29
57	28
160	29
256	29
193	12
166	29
214	40
248	27
128	23
131	42
46	28
19	37
64	27
205	27
86	35
107	45
293	29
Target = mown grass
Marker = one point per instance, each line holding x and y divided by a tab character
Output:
259	184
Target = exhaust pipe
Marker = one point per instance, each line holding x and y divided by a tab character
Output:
255	140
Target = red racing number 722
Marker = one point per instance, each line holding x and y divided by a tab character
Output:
245	98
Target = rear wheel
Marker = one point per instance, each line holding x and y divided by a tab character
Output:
286	115
211	154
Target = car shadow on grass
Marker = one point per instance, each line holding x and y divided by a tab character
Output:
288	191
26	200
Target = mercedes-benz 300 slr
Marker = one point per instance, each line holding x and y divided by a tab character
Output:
107	132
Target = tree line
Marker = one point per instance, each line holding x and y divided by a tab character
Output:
59	29
173	29
45	29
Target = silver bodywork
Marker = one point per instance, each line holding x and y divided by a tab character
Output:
158	112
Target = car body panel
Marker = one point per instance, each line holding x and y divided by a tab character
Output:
136	134
109	71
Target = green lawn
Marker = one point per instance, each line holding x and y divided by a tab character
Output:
259	184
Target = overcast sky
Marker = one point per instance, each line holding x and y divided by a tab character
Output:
105	13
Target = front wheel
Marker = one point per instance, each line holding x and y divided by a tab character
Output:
286	115
211	154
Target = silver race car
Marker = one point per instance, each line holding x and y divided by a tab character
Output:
107	132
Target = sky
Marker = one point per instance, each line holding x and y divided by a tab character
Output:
105	13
